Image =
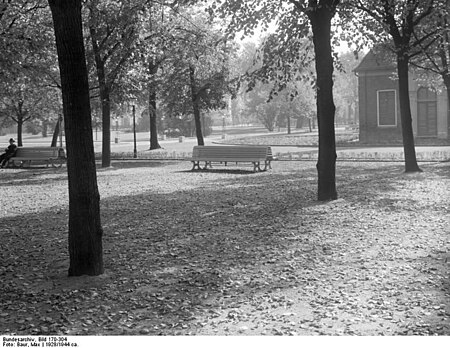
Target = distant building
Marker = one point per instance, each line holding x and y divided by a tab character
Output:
379	109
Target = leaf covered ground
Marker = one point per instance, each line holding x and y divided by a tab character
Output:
230	252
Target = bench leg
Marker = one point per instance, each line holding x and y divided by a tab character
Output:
256	167
207	164
267	165
195	165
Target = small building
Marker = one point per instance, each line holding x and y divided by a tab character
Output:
379	108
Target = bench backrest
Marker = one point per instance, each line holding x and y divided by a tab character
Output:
230	153
40	152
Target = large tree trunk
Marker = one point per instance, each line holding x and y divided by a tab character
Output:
447	86
196	107
153	69
405	114
444	54
320	19
85	230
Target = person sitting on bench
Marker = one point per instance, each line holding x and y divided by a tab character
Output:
9	152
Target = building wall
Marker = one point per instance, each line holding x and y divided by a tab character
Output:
442	109
368	86
370	133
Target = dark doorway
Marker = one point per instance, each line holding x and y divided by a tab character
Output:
426	112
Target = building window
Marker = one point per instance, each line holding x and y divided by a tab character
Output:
387	108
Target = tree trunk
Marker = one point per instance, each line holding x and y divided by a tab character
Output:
44	129
405	114
104	100
447	86
154	144
288	124
153	68
19	130
85	230
196	107
320	19
106	125
56	133
21	114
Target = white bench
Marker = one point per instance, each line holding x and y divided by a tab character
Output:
55	156
257	155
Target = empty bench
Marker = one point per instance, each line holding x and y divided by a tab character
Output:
257	155
54	156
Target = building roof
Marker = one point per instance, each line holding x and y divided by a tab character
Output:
376	61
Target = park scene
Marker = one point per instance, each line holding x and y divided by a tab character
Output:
224	168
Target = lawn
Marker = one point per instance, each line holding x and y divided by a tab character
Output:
231	252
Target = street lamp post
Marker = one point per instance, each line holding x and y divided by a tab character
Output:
134	131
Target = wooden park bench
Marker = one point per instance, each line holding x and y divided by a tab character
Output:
55	156
257	155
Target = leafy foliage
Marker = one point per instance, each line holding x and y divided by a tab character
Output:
434	60
346	88
280	67
403	24
204	50
29	76
113	35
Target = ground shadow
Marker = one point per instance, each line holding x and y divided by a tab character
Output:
172	258
131	163
32	176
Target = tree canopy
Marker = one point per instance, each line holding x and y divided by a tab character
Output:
29	77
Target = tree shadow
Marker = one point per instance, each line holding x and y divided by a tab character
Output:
172	258
440	169
187	245
32	176
143	163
